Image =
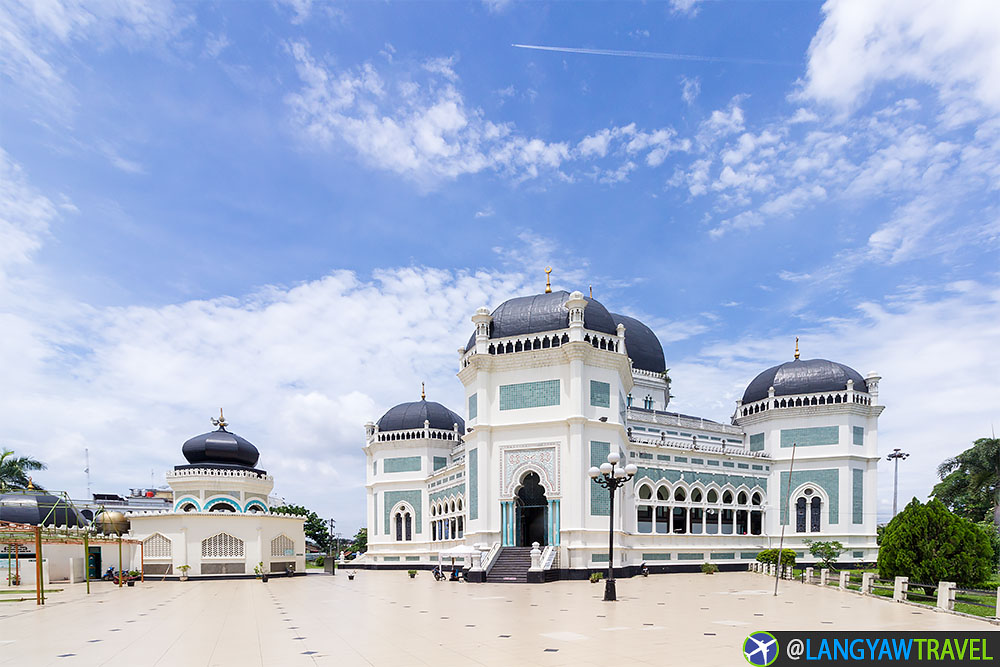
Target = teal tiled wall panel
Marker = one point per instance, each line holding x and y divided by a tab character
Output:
473	406
474	484
412	497
600	394
810	437
529	395
656	474
757	442
457	490
600	503
440	462
700	556
859	434
858	501
827	479
402	464
727	555
598	558
656	556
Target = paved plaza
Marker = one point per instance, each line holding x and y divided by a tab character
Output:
384	618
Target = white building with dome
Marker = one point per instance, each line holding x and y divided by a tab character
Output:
221	522
555	382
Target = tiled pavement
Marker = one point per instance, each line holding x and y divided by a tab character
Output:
384	618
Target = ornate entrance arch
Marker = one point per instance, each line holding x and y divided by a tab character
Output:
531	511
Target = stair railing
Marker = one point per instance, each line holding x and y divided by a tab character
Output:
548	557
490	559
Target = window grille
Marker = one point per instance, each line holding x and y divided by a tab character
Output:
222	545
156	546
281	544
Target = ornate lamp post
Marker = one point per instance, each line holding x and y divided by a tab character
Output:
896	455
612	477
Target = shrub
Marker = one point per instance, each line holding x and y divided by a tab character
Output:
928	544
827	552
771	556
596	576
709	568
319	561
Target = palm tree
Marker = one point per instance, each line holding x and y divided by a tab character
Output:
979	466
14	470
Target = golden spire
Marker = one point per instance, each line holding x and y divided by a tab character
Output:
548	282
221	421
591	291
423	394
796	347
31	485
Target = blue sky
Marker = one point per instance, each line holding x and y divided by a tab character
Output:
291	209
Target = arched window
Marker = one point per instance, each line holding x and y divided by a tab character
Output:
679	494
800	515
282	545
188	507
727	498
814	515
645	493
742	498
222	545
409	527
713	496
399	526
756	500
663	493
808	512
696	496
222	507
156	546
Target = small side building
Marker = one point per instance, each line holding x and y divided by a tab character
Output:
220	523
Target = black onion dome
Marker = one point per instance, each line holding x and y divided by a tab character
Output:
220	449
412	415
803	377
38	508
544	312
642	345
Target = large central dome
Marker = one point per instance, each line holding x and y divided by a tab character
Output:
544	312
220	449
803	377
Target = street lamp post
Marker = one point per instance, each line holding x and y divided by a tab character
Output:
612	477
331	556
895	457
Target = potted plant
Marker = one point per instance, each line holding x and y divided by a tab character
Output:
130	577
350	575
412	573
184	572
259	572
709	568
596	576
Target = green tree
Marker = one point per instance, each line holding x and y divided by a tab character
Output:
315	528
928	544
771	556
828	552
360	543
14	470
970	482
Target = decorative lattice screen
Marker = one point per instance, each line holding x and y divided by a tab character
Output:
222	546
156	546
280	544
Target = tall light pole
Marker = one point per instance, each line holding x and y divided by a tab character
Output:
612	477
895	456
332	557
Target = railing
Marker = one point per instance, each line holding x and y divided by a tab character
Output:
687	445
674	419
415	434
840	397
548	557
544	341
215	472
490	558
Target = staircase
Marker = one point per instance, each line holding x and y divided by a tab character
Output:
511	566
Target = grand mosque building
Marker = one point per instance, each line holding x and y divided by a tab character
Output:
554	383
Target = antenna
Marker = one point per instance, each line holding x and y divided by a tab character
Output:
86	456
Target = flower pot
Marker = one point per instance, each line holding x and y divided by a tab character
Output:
263	578
351	577
413	576
130	583
184	577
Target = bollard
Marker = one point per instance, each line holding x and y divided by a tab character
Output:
899	589
867	581
809	575
844	577
824	576
536	558
946	596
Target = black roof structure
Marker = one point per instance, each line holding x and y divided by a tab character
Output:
642	345
412	415
803	376
32	507
544	312
220	449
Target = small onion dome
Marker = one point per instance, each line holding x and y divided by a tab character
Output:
803	376
413	415
38	508
220	448
642	345
111	523
544	312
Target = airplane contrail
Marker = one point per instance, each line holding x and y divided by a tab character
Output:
653	54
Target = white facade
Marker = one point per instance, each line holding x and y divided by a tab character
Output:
542	407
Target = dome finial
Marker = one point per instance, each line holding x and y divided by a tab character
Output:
548	281
221	421
31	484
796	347
423	393
591	291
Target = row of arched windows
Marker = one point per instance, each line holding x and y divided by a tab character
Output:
451	522
698	512
808	512
830	399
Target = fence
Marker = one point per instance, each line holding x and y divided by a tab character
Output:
944	596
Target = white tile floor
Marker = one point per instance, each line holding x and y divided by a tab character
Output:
384	618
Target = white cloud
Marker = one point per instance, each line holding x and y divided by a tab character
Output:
215	44
953	46
689	7
25	218
301	9
690	89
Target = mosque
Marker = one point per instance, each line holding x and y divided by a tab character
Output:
554	383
